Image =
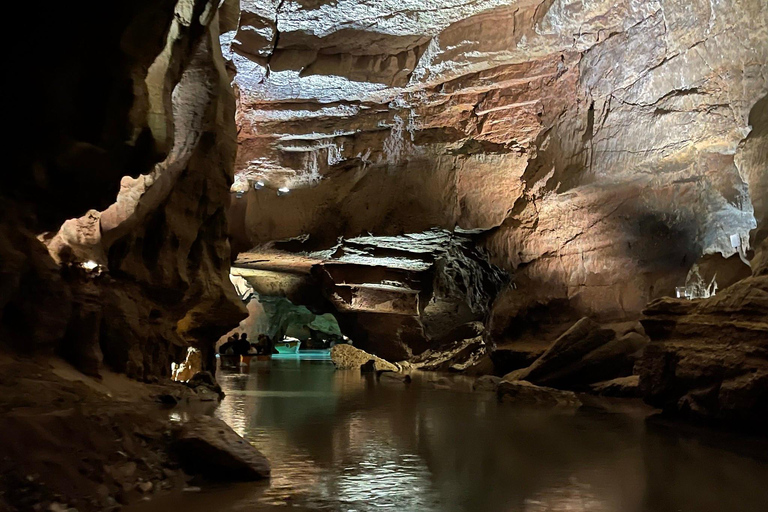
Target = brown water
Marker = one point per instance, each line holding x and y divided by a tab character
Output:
344	442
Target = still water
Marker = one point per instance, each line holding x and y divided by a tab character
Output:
344	442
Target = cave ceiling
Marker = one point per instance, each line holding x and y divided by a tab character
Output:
601	145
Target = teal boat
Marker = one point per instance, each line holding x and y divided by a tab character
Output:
288	346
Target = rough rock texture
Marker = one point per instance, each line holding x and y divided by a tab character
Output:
709	358
93	444
208	446
584	354
525	393
625	387
394	296
159	93
605	146
486	383
460	349
347	357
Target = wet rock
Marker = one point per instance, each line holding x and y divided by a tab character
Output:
525	393
347	357
144	487
584	354
482	366
486	383
709	358
204	379
624	387
454	353
209	447
391	377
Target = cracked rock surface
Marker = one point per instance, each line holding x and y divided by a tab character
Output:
604	147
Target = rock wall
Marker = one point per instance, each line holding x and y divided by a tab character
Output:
604	147
139	130
709	358
394	296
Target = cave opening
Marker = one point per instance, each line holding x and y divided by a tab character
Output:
424	255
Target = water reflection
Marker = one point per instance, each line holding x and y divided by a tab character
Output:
342	441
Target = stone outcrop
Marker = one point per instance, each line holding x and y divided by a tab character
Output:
458	350
137	152
598	183
709	358
585	354
208	446
394	296
527	394
347	357
600	149
624	387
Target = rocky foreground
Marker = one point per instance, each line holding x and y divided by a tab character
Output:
71	442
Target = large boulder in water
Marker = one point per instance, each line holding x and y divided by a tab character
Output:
525	393
347	357
708	358
584	354
209	447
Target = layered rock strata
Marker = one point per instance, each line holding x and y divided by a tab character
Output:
604	148
393	296
709	358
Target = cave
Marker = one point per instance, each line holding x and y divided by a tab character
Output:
488	255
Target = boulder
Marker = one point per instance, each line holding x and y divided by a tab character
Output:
708	358
525	393
347	357
486	383
624	387
482	366
209	447
205	385
454	353
584	354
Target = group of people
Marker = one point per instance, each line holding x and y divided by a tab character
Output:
241	346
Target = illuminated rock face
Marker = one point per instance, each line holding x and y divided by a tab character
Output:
605	146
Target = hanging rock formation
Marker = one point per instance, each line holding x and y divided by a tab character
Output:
143	274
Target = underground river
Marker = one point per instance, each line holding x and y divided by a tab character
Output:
342	441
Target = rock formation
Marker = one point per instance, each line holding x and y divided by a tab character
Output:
408	166
137	152
605	147
347	357
599	150
395	296
586	353
709	358
208	446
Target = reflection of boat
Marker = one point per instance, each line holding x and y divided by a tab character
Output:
288	346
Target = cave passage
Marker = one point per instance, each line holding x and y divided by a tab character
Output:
426	255
341	442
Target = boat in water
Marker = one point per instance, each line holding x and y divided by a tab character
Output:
288	346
